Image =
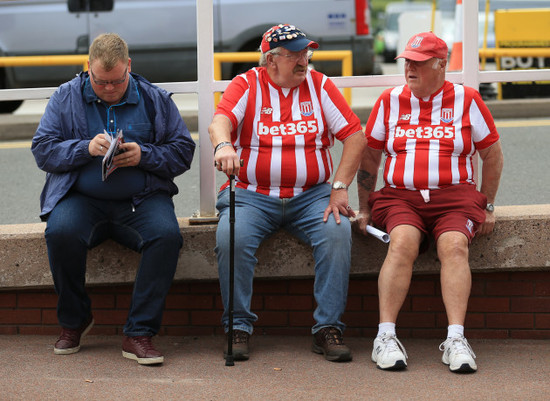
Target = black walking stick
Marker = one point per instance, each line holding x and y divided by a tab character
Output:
229	357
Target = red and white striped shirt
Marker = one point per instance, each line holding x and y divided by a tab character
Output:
283	135
429	143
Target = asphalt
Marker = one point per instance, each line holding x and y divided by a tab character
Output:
280	368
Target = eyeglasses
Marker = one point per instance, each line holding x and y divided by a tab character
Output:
116	82
298	56
418	63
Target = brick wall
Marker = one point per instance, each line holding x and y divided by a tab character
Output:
502	305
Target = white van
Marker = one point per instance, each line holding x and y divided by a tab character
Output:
162	34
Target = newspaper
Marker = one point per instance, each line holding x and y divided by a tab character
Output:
107	166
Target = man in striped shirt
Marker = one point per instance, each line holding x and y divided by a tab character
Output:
429	131
280	119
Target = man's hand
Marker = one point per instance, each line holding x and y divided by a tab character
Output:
98	145
359	225
489	224
338	204
227	160
130	155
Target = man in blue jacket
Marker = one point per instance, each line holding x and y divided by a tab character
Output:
133	205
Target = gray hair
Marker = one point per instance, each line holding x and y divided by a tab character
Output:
437	62
263	57
109	49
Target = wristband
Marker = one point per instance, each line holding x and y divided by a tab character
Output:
221	145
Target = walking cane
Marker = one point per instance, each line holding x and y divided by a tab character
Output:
229	357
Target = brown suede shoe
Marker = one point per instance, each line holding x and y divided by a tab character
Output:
240	345
329	341
142	350
69	340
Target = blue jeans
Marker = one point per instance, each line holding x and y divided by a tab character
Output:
258	216
78	223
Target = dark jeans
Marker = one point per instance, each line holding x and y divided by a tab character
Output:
79	223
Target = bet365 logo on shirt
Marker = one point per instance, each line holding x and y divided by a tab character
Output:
425	132
276	128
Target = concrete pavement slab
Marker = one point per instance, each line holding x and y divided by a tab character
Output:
280	368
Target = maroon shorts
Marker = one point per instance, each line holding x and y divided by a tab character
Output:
455	208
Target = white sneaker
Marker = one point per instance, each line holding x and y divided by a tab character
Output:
388	353
458	354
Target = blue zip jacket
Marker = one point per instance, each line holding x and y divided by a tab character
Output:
60	145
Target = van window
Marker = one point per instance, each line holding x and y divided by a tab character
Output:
76	6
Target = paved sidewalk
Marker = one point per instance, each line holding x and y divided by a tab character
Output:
280	368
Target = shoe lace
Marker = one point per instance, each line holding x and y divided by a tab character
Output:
70	335
459	344
392	343
145	343
333	336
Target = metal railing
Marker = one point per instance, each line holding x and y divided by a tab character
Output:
345	56
30	61
514	52
35	61
499	52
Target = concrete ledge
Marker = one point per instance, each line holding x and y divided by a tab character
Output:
520	243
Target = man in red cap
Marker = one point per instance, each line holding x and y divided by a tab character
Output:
429	130
280	119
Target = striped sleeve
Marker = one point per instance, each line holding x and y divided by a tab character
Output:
375	129
234	100
484	132
340	118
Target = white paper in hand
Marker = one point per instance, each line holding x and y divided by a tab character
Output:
381	235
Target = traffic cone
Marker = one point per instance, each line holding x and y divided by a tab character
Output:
455	62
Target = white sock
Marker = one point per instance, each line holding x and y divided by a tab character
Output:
455	330
386	327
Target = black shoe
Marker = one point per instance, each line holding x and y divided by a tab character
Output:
329	341
240	345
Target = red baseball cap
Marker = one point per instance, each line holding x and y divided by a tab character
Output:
423	46
287	36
